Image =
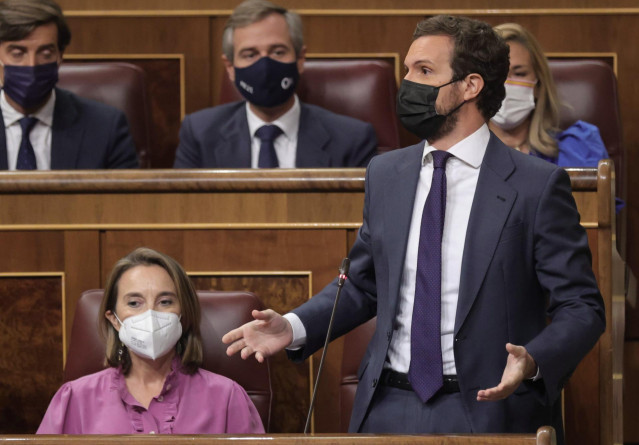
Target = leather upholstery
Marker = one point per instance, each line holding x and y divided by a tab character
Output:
363	89
588	91
221	312
121	85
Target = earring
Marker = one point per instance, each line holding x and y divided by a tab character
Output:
179	347
120	352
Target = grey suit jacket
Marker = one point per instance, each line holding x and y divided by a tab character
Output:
85	134
219	137
525	257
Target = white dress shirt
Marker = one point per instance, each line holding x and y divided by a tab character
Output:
285	144
462	173
40	135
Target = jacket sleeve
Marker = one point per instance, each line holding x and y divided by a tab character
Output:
563	265
122	152
187	154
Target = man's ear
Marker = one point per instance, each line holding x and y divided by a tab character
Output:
301	58
474	84
230	70
114	321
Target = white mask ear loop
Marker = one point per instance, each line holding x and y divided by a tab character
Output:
116	316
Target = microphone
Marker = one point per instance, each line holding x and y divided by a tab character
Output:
343	275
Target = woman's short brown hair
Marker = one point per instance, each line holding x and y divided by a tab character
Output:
190	344
18	19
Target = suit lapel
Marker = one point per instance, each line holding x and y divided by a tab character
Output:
66	138
312	137
4	162
493	201
399	197
235	152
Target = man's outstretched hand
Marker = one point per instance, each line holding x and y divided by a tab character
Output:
268	334
519	366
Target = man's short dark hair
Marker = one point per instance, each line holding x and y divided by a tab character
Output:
478	49
18	19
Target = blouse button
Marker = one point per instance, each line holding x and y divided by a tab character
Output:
160	398
151	432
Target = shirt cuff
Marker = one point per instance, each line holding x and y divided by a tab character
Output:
299	331
537	376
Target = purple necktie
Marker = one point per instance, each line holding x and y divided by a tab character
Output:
26	155
267	135
425	371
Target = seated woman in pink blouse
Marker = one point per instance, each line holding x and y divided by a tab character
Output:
154	383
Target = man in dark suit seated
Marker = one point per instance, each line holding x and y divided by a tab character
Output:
43	127
466	249
264	55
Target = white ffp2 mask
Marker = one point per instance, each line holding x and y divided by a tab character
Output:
517	105
150	334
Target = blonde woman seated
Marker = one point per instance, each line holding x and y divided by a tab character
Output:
529	116
153	383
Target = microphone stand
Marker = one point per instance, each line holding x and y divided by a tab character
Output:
343	274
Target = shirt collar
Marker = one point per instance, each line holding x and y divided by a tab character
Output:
11	115
288	122
470	150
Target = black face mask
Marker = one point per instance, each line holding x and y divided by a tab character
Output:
416	108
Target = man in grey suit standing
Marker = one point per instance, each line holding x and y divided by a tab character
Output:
466	242
264	56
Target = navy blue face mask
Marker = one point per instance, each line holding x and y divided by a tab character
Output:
267	83
29	86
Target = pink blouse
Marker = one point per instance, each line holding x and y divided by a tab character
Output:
202	403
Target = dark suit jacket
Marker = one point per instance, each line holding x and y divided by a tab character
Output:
525	256
219	137
85	135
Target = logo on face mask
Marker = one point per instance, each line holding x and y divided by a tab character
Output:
267	83
29	86
287	82
416	108
246	86
517	105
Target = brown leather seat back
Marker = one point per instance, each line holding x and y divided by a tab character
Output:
588	91
221	312
121	85
363	89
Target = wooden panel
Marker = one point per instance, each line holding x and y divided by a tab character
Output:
362	5
544	436
631	402
31	345
188	36
40	251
